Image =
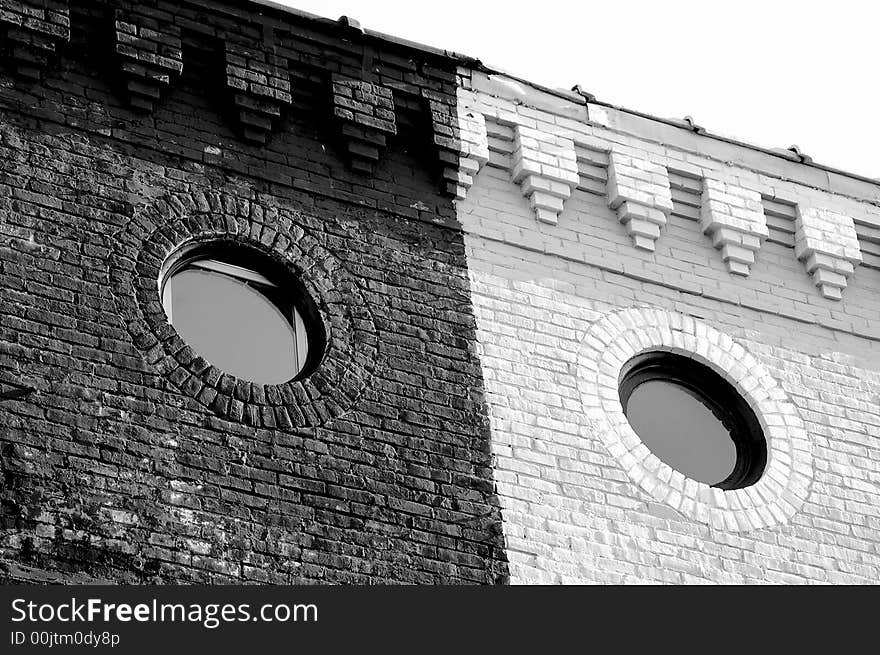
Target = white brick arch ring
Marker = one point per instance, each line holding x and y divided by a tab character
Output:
615	339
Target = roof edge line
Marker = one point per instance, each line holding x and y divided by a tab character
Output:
440	52
576	97
477	64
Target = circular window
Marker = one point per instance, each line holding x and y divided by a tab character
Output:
242	312
693	419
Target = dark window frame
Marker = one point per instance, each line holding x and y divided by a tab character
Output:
263	274
718	395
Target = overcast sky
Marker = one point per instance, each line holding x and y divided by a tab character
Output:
772	73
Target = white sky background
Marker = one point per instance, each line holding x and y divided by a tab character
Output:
772	73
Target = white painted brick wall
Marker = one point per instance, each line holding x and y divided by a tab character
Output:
572	512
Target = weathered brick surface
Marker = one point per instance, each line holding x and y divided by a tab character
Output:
261	86
33	30
559	307
366	115
150	51
130	462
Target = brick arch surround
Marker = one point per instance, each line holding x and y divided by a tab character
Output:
621	335
160	229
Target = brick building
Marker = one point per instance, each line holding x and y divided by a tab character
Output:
476	276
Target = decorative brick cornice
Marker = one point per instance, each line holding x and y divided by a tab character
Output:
34	29
460	137
734	217
615	339
366	116
827	244
151	55
639	191
260	82
545	166
257	58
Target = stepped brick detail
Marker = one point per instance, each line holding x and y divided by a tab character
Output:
261	88
463	145
365	113
34	29
545	166
734	218
151	56
827	244
639	191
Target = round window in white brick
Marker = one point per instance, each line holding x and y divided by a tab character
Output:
772	466
693	419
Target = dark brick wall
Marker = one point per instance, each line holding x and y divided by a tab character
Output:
132	460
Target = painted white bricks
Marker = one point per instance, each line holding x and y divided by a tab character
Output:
579	505
618	337
474	152
734	218
573	513
637	179
827	243
545	167
638	190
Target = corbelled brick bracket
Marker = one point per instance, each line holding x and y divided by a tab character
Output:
734	218
827	243
545	166
460	137
261	88
151	56
639	191
32	32
366	116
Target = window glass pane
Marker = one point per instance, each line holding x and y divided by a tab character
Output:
233	326
681	431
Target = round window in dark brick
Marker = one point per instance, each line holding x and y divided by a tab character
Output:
248	269
693	419
242	312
